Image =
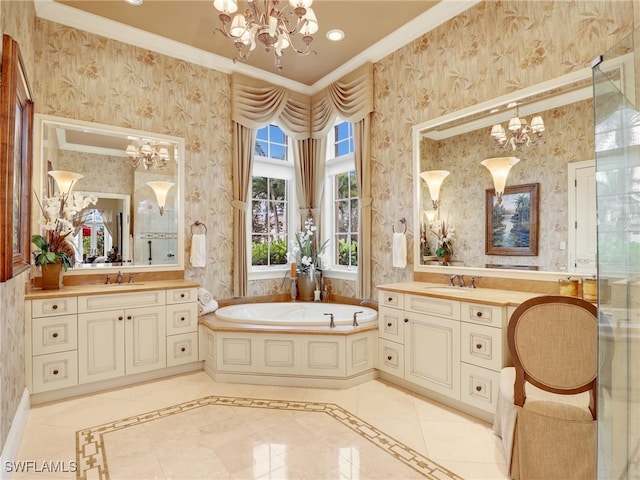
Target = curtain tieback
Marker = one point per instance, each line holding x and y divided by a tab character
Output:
240	205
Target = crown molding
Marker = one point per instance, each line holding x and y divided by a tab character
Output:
81	20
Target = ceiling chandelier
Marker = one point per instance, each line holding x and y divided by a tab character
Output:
151	156
519	134
271	26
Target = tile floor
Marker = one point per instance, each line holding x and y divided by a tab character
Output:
180	446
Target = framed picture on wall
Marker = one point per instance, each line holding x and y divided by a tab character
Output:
16	122
512	226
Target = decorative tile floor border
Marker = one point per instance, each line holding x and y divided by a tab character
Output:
91	457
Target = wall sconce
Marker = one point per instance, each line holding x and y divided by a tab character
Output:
434	179
161	188
65	180
499	168
430	215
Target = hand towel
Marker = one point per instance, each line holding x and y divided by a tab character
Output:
198	250
399	250
212	306
204	296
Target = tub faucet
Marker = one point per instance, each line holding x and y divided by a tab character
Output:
332	324
355	319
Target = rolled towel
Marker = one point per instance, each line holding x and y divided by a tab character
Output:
212	306
399	245
204	296
199	250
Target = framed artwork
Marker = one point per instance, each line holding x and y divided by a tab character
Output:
512	226
16	122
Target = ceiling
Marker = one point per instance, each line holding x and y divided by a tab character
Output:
373	29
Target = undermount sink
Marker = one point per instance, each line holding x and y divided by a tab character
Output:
450	290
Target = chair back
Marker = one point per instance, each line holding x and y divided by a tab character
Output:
553	343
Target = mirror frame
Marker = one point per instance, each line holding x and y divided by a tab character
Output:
486	121
38	182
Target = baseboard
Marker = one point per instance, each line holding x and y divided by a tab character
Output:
12	444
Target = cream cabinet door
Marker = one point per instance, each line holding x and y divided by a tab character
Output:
100	345
432	353
145	339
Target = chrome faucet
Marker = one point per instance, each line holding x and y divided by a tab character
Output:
131	278
451	279
461	281
355	319
332	324
120	277
108	280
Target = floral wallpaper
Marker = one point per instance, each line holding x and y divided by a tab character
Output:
490	50
17	20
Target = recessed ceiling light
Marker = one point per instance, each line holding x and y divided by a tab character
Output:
335	35
134	2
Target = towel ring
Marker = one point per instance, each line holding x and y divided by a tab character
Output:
198	223
403	221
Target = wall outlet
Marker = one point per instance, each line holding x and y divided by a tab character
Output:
563	245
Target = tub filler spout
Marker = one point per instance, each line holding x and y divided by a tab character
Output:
332	323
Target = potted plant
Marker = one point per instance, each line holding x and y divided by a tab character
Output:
307	254
61	214
444	232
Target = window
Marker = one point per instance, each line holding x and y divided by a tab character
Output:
92	239
272	193
342	205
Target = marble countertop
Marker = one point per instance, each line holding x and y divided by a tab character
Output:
490	296
101	289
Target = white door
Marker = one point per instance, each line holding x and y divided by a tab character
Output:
582	217
100	345
432	353
145	334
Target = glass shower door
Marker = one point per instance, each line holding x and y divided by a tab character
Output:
617	146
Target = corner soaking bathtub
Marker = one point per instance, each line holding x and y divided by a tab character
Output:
290	344
294	314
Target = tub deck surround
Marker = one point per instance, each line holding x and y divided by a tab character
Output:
489	296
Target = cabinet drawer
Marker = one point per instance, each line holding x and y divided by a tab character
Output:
54	334
47	307
182	318
433	306
481	345
391	299
479	387
182	349
97	303
391	357
391	324
483	314
182	295
56	370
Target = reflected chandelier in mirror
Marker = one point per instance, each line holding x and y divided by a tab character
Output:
132	224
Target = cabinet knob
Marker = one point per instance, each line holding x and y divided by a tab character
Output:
55	372
389	358
479	346
390	299
182	295
478	314
55	335
54	307
182	319
406	320
478	388
120	318
129	317
182	349
389	324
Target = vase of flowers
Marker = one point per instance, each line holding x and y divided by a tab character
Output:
444	232
307	253
61	215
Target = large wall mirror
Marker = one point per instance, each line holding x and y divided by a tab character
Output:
137	178
458	142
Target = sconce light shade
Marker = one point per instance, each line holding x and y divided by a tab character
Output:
434	179
430	215
161	189
65	180
499	168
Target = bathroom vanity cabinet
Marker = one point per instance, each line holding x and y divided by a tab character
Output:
449	346
86	338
